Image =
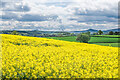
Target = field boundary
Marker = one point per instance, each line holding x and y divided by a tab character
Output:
105	36
103	42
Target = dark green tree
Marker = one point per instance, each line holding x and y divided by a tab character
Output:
88	32
116	33
111	33
95	33
14	33
83	38
100	32
60	35
72	34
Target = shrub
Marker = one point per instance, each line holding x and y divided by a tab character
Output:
111	33
14	33
83	38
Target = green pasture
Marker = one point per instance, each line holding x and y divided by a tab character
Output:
71	38
104	40
114	36
109	44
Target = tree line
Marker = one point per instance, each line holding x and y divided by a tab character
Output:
109	33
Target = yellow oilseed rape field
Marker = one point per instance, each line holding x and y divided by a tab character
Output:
32	57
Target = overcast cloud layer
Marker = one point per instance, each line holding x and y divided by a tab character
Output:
69	15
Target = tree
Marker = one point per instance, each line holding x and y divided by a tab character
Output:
83	38
60	35
72	34
14	33
116	33
45	35
100	32
95	33
111	33
88	32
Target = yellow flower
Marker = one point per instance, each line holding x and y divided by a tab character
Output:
41	57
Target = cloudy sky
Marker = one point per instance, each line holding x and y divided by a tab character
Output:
67	15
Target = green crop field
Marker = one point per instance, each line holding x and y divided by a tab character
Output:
109	44
71	38
114	36
104	40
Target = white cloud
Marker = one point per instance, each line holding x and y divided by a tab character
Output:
86	14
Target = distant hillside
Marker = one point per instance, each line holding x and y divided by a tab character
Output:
37	33
93	30
90	30
114	30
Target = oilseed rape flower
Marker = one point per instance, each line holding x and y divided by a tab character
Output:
32	57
